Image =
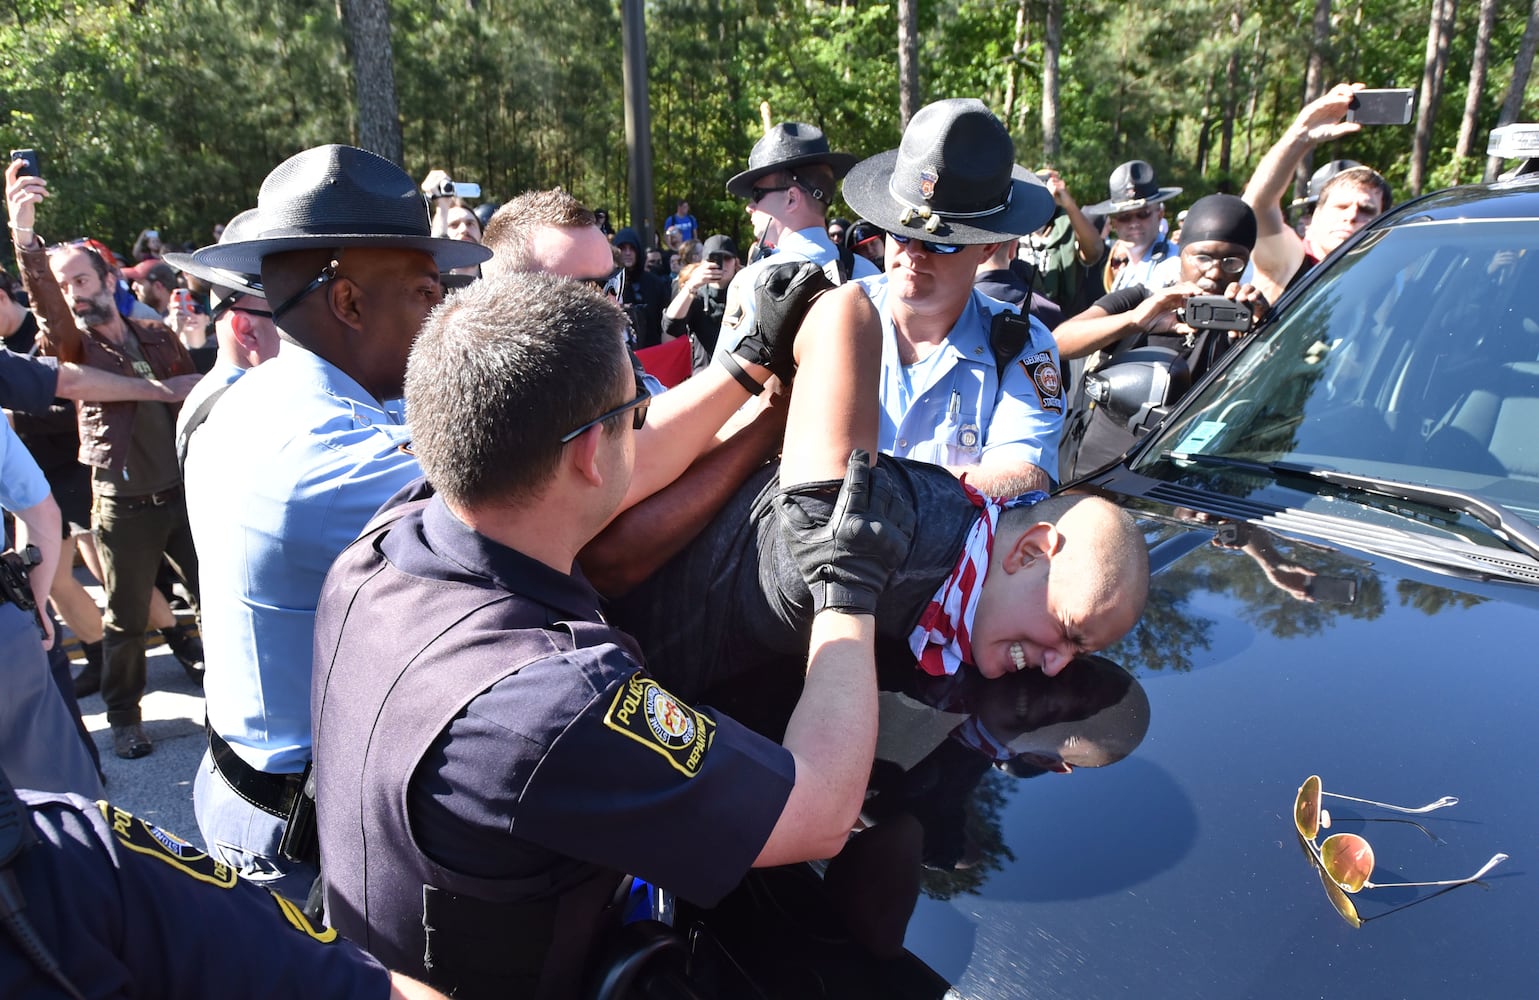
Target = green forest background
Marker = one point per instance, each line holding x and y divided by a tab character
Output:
168	113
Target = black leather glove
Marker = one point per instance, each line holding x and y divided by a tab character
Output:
782	294
847	559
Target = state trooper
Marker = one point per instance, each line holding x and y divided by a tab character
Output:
1136	209
789	185
289	467
967	382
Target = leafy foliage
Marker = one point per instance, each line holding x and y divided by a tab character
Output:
168	113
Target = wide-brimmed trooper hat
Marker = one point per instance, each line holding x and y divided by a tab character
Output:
953	179
226	283
1132	186
785	147
338	197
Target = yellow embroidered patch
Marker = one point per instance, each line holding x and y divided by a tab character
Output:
148	839
657	720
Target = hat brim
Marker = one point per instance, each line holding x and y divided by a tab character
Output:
866	191
1110	207
246	256
741	185
246	284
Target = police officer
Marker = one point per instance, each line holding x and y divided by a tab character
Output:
789	186
38	740
961	386
1136	208
131	910
292	463
491	756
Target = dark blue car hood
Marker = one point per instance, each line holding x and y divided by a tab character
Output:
1177	871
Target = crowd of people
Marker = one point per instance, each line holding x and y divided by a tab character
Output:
457	525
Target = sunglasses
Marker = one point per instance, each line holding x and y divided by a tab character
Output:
927	246
328	273
637	407
612	285
1346	860
756	194
1229	265
1119	262
1141	214
231	304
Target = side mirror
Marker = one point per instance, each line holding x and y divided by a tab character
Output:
1140	385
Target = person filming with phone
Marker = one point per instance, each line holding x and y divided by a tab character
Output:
138	511
696	311
1347	202
1219	233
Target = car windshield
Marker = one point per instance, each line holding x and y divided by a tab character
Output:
1415	359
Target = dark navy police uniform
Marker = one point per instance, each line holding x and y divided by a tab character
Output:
490	759
131	911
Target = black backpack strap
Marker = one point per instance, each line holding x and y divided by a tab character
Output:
195	421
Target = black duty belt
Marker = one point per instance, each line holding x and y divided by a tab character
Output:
271	793
161	499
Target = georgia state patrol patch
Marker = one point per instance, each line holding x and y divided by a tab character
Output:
1046	380
657	720
146	838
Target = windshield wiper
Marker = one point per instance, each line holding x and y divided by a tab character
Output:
1517	533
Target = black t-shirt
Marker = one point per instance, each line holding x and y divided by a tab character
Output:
759	612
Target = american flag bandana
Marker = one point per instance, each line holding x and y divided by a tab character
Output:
942	641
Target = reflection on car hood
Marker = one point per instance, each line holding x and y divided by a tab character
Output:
1177	872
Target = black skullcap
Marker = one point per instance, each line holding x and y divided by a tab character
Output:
1220	217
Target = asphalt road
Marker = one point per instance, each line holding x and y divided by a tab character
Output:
157	788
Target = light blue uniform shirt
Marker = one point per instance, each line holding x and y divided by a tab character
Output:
288	469
21	481
948	408
803	244
1159	267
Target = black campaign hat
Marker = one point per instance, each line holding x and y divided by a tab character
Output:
788	145
242	227
953	179
1132	186
338	197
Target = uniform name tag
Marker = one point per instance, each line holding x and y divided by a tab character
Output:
1045	380
657	720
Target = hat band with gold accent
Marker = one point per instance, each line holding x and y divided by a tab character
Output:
934	217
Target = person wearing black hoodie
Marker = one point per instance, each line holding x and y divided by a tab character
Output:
645	295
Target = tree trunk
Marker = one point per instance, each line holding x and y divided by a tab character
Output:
1017	61
1314	84
1477	86
1521	67
908	60
1229	100
1052	45
368	34
1439	30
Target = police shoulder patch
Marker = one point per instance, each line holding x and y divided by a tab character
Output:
1045	379
297	919
145	838
657	720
